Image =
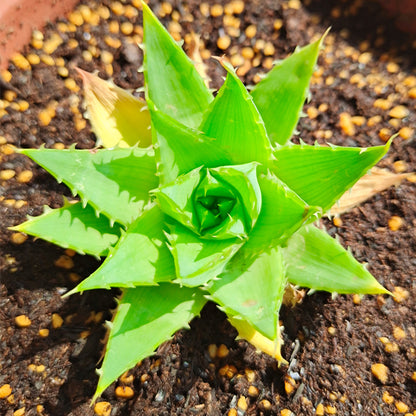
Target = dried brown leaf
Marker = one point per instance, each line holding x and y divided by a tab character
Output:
374	182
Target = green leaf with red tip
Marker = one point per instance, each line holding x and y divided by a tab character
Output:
145	318
74	227
280	95
321	175
234	121
315	260
115	182
172	81
140	258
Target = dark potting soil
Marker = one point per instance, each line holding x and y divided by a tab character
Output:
366	71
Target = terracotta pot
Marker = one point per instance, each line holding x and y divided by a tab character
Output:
18	18
403	12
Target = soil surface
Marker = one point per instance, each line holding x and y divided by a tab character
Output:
363	91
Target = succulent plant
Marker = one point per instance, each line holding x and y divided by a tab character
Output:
196	198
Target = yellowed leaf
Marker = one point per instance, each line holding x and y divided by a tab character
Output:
117	117
374	182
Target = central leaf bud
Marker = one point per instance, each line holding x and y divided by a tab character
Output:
215	203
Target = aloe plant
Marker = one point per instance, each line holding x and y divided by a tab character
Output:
219	206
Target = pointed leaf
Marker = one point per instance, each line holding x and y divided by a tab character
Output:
281	94
199	260
117	117
142	322
243	179
74	227
172	81
179	149
282	213
218	203
320	175
141	257
316	260
269	346
235	122
252	288
107	179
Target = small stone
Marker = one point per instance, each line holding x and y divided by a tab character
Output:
64	262
250	375
7	174
392	67
217	10
19	412
330	410
400	166
312	112
400	294
346	124
22	321
384	134
400	111
265	405
222	351
57	321
43	332
212	351
391	347
242	404
247	52
320	411
102	409
25	176
124	392
387	398
412	92
5	391
251	31
358	120
269	49
380	371
382	104
332	330
224	42
372	121
228	371
395	223
401	407
399	333
126	378
277	24
290	385
253	391
18	238
406	133
237	6
21	62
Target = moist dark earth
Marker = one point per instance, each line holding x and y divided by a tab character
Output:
366	73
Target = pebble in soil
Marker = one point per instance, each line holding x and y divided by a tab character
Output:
363	91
